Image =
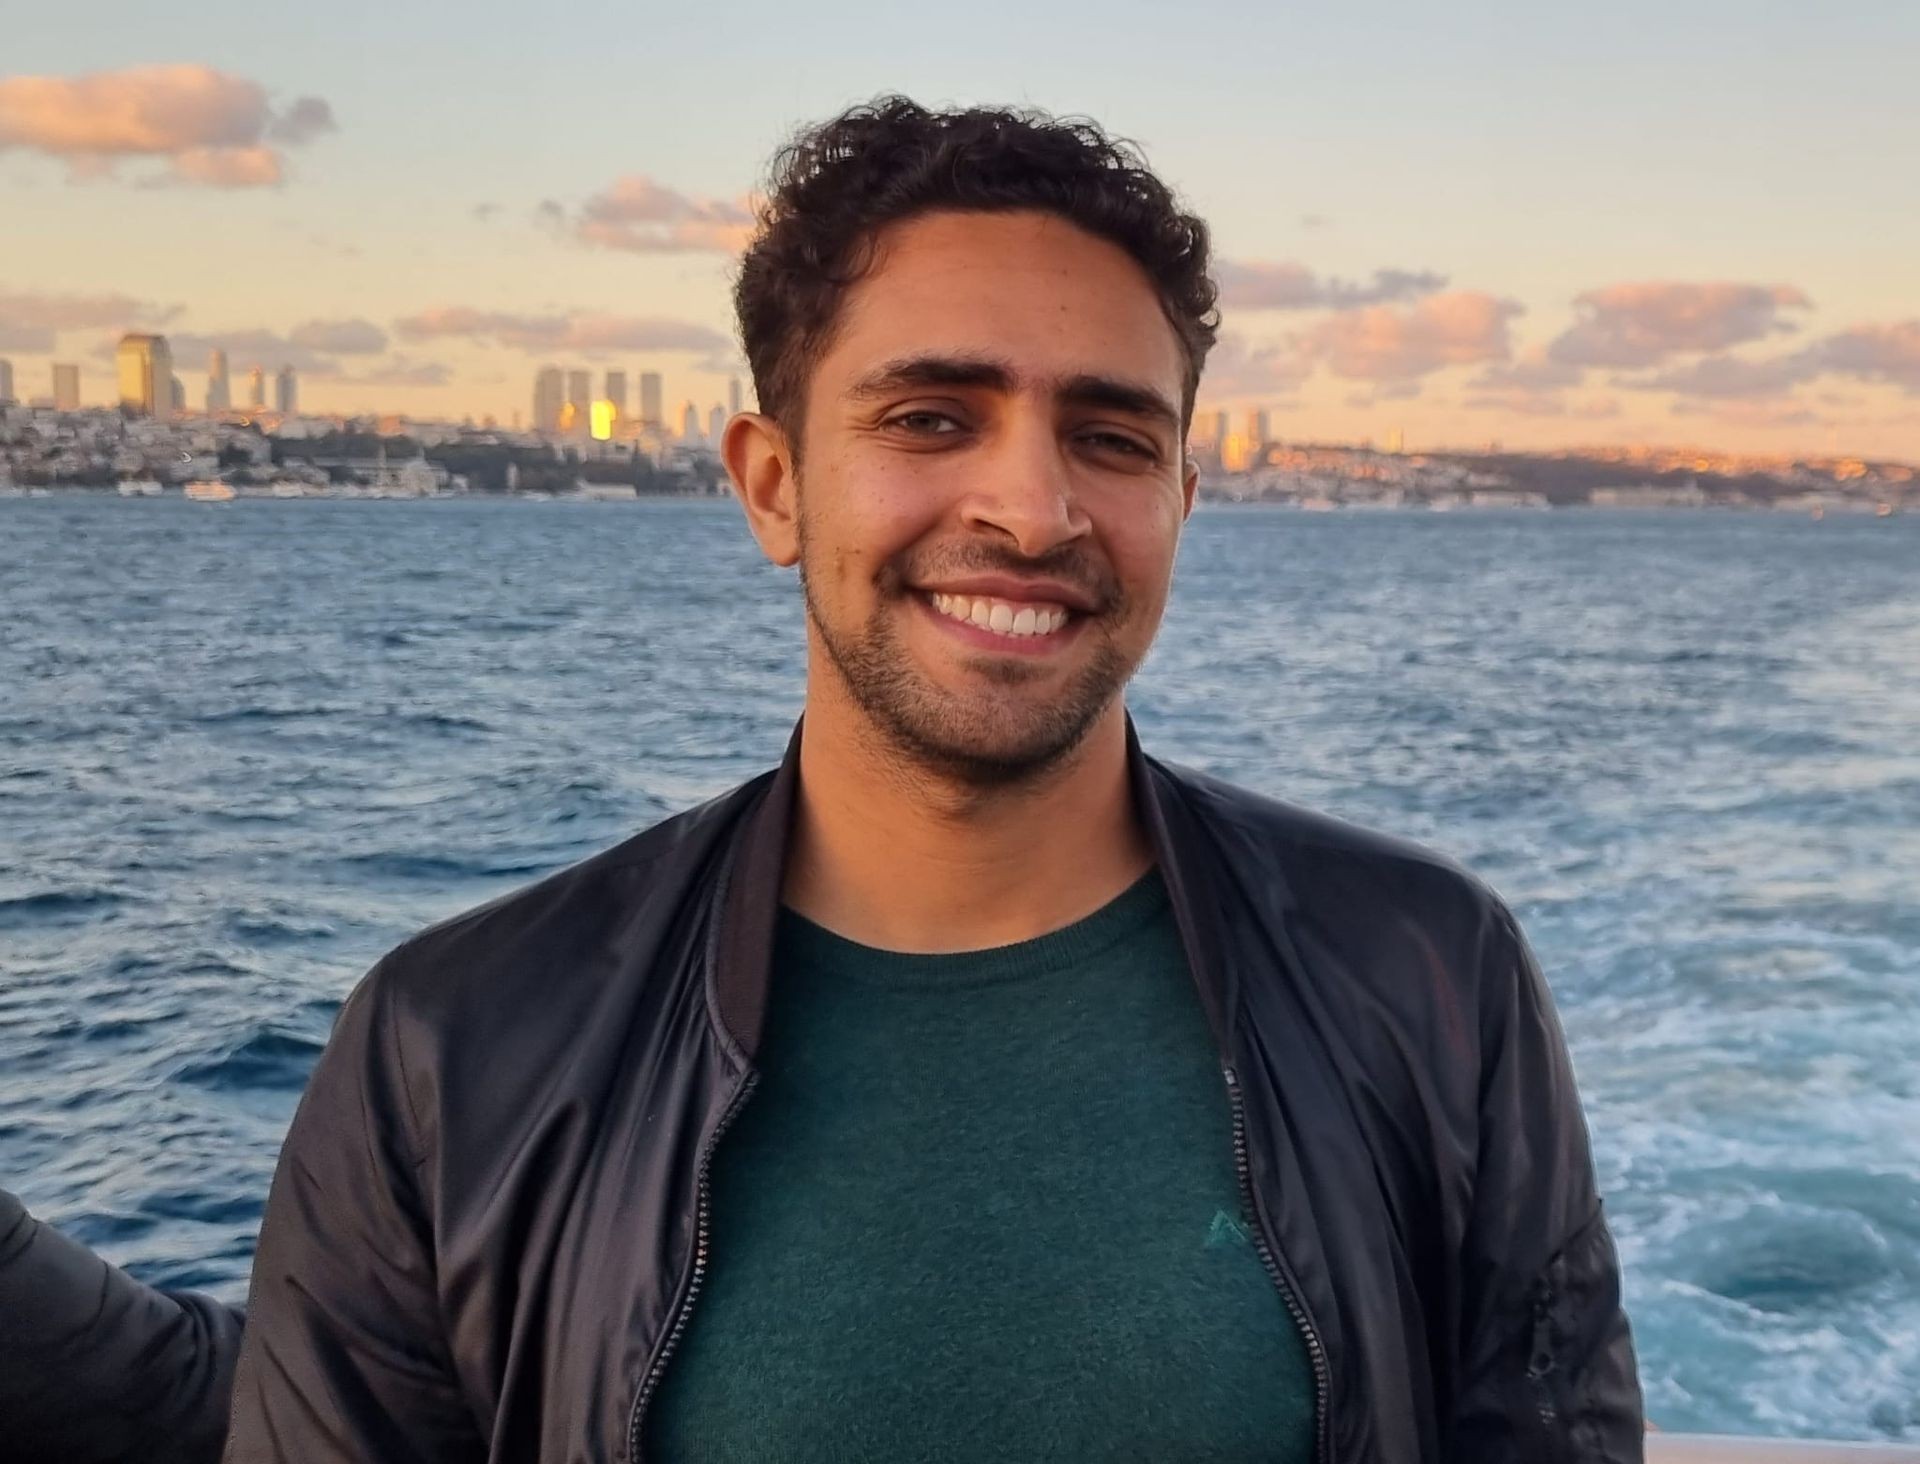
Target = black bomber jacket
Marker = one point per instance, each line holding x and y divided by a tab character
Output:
489	1223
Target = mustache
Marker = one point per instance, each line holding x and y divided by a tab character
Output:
1071	564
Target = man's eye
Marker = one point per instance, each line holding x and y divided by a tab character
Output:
1121	444
925	424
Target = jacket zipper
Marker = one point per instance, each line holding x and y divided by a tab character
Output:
1540	1359
685	1309
1282	1278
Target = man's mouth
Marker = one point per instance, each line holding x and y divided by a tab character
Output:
1015	619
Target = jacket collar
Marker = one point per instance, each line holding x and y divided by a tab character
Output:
750	895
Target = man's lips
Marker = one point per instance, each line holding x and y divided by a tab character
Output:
1016	627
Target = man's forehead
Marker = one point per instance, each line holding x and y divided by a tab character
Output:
1033	293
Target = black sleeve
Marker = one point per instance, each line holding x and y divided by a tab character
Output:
1547	1362
345	1358
95	1366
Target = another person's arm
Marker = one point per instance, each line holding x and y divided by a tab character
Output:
96	1366
344	1357
1547	1363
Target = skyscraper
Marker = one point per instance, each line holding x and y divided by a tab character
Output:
176	394
219	388
549	399
66	387
617	393
689	422
1259	428
286	392
6	381
145	367
579	401
733	396
257	389
716	425
650	413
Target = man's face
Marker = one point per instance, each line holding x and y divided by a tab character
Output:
991	489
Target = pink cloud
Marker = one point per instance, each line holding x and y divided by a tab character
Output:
1889	353
1253	285
1733	376
641	216
577	330
1641	324
1238	370
354	337
30	320
1533	372
1385	343
213	129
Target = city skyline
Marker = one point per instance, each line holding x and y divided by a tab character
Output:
1664	224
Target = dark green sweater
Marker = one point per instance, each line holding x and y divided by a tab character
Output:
983	1207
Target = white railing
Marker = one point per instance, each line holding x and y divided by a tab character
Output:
1666	1448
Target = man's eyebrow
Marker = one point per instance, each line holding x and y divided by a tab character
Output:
916	371
1089	390
1120	396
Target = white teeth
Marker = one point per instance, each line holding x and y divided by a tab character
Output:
999	616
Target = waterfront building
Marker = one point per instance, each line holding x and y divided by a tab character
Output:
617	394
257	389
716	425
219	388
286	392
651	414
145	367
733	396
66	387
6	382
689	422
549	399
579	401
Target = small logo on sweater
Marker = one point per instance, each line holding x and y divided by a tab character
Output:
1226	1230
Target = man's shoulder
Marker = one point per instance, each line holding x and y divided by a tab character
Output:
1317	852
619	895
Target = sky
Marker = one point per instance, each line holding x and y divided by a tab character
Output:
1547	225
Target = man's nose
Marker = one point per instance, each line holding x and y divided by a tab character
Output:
1026	491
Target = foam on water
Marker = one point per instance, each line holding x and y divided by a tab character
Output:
242	752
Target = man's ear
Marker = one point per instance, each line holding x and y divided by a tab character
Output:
754	448
1189	486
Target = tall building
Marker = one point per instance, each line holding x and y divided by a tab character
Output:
66	387
219	387
651	414
176	394
617	393
145	366
286	392
733	396
549	399
689	422
716	425
1259	428
579	401
6	381
257	389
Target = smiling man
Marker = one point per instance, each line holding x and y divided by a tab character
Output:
975	1086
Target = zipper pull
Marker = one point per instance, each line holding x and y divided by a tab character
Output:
1540	1360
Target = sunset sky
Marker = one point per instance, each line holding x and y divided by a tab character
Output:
1548	224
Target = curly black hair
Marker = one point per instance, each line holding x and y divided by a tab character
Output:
836	185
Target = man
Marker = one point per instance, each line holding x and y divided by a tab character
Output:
975	1087
97	1367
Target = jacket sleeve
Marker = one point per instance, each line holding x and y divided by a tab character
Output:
1547	1370
95	1366
345	1357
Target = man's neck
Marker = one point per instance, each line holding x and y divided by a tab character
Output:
893	856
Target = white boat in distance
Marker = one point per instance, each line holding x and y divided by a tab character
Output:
208	491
